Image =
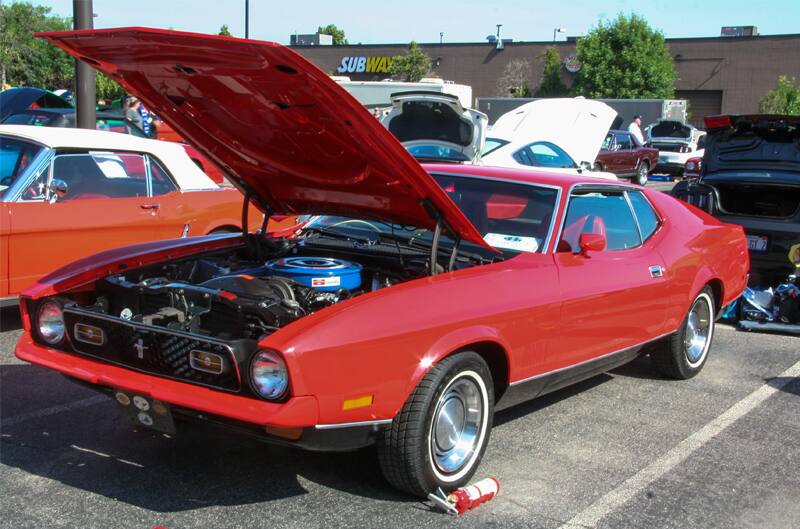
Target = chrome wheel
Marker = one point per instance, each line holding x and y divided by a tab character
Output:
642	174
458	425
699	326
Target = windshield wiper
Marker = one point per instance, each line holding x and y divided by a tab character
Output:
339	235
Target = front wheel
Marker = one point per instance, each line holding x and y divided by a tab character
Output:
683	354
642	172
440	435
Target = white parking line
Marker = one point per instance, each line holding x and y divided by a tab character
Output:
614	499
53	410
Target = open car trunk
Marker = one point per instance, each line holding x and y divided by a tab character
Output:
436	127
751	177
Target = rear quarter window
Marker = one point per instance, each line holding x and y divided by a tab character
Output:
645	215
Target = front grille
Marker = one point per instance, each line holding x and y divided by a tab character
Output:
152	350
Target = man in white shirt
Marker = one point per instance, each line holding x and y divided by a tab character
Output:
635	128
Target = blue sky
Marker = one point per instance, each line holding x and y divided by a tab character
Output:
462	21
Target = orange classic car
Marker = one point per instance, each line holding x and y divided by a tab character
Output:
68	193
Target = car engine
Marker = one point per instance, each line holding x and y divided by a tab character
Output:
230	298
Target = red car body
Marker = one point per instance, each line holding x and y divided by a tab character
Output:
540	319
622	156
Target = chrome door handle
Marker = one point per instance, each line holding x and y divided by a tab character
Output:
656	271
149	206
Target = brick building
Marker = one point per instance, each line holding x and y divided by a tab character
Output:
716	74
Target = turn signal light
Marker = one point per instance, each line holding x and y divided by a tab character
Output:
358	402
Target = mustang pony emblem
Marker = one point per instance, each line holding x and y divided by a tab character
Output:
140	348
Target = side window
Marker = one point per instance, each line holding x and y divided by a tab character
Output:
608	142
101	175
624	142
648	221
605	212
161	182
37	190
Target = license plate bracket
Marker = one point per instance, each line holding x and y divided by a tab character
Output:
757	243
146	412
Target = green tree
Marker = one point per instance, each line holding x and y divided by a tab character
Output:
29	61
412	66
514	79
783	99
625	58
225	30
552	85
338	34
107	88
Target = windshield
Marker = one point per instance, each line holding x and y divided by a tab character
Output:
15	157
491	145
511	217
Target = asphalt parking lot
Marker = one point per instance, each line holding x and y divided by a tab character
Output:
625	449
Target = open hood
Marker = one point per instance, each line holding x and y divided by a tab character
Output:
577	125
278	126
436	127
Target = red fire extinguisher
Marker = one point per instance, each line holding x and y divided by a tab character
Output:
463	499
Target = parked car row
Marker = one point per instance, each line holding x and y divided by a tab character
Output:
417	301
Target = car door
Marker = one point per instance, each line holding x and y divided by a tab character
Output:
627	157
612	299
5	230
101	203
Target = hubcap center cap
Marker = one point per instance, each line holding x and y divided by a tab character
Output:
450	423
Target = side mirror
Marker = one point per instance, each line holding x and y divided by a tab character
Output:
58	189
591	242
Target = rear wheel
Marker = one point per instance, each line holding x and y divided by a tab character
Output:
642	172
683	354
440	435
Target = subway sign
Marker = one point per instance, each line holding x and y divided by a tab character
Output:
364	65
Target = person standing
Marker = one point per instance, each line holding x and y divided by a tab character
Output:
635	128
132	114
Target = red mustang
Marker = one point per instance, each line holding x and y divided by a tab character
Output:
421	301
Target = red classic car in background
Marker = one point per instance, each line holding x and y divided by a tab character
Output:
423	300
621	155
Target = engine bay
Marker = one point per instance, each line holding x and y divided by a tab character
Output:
243	293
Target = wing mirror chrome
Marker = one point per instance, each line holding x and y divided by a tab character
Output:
591	242
58	189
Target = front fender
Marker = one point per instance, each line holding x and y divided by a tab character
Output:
457	340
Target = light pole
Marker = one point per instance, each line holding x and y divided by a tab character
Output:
85	87
247	19
558	30
441	37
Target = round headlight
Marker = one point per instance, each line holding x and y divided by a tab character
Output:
269	375
690	166
50	322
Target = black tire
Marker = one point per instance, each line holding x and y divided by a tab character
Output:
672	356
405	449
642	172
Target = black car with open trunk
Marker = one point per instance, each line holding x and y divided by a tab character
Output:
751	176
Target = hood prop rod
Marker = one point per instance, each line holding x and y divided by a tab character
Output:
437	232
245	205
454	253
